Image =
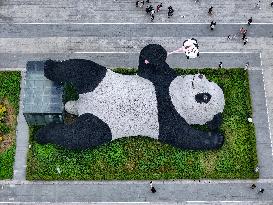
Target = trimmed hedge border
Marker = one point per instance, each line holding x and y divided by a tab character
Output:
136	158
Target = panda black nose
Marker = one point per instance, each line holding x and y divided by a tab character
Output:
202	97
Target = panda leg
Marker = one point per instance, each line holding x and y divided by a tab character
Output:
87	131
85	75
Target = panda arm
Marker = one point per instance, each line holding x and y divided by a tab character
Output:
215	123
85	132
85	75
184	136
174	130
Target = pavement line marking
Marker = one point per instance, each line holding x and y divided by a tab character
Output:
85	202
268	121
111	202
228	201
261	58
24	69
184	182
129	23
19	202
124	52
12	69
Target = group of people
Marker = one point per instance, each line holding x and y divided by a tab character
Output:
150	10
243	31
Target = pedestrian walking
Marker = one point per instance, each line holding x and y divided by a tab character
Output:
242	30
245	41
249	21
257	169
210	10
149	9
212	25
246	67
197	1
152	187
141	4
170	12
137	3
229	37
244	36
152	17
158	7
261	191
253	186
271	4
152	14
258	5
220	65
148	1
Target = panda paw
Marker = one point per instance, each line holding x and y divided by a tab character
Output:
217	140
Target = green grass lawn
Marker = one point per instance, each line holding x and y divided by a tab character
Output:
145	158
9	98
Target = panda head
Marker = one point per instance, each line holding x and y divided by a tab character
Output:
154	53
196	99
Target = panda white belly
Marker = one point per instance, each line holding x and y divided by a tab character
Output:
126	103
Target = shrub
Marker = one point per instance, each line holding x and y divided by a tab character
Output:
4	128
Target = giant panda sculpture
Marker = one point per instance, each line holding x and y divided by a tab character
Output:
151	103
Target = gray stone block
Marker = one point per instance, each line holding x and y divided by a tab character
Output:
55	108
28	108
47	91
56	91
39	84
29	84
56	99
35	76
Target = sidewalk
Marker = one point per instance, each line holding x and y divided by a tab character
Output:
167	191
22	134
64	11
131	59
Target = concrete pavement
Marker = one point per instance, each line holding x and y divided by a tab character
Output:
64	11
22	134
113	60
138	191
131	30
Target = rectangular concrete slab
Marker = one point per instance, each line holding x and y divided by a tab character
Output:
260	119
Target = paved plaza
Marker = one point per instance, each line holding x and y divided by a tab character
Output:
112	33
